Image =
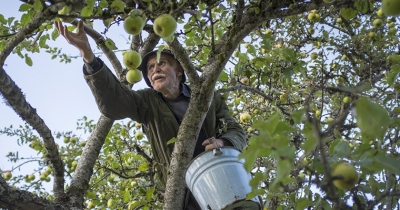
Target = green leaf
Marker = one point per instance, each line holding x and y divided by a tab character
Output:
388	163
25	19
310	142
127	196
110	44
28	60
392	76
223	77
149	193
54	34
118	5
171	141
303	203
372	118
37	5
143	167
87	11
348	13
25	7
298	115
342	149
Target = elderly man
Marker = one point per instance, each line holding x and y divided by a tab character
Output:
159	108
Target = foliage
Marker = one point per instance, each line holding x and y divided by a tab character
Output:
291	149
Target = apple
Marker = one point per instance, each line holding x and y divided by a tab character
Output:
236	53
66	140
311	31
133	183
302	176
318	113
351	146
250	129
377	23
74	163
245	117
65	11
91	194
7	175
329	119
391	25
74	140
346	100
283	97
131	59
82	143
371	35
391	7
139	135
311	16
379	13
306	160
133	25
344	57
392	31
268	32
31	177
345	176
246	45
48	179
164	25
43	176
91	205
110	203
138	125
339	20
313	55
245	80
49	170
133	76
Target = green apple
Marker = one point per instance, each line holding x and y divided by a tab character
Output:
339	20
82	143
49	170
74	163
7	175
302	176
245	117
43	176
138	125
329	119
346	100
344	57
139	135
268	32
91	205
392	31
311	31
318	113
283	97
246	45
133	25
377	23
391	25
48	179
31	177
379	13
91	194
74	140
164	25
65	11
391	7
110	203
236	53
133	76
131	59
66	140
313	55
345	176
371	35
311	16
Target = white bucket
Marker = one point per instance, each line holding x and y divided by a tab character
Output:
218	180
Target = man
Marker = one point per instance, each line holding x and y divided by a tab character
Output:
159	108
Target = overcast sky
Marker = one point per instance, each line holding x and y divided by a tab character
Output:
56	90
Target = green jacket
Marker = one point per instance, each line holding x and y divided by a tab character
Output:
146	106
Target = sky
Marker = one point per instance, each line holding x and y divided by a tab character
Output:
56	90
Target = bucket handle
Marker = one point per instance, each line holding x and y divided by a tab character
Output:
217	151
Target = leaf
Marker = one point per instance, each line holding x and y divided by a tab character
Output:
298	115
118	5
372	118
149	193
127	196
223	77
28	60
303	203
37	5
25	19
342	149
87	11
171	141
310	142
392	76
348	13
25	7
389	163
110	44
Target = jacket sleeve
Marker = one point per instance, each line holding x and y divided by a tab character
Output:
231	129
115	100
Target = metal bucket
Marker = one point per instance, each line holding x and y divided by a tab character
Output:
218	180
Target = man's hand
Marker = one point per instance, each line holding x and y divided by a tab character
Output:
212	143
79	39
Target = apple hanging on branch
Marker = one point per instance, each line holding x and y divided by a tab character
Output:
165	26
135	22
345	176
391	7
131	59
133	76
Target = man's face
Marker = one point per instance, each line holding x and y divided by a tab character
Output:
164	75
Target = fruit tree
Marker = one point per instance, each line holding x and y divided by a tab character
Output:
314	83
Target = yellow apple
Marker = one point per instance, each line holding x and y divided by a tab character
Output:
379	13
133	25
371	35
131	59
133	76
91	205
345	176
329	119
391	7
31	177
65	11
339	20
7	175
245	117
318	113
164	25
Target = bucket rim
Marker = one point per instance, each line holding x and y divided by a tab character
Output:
201	154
